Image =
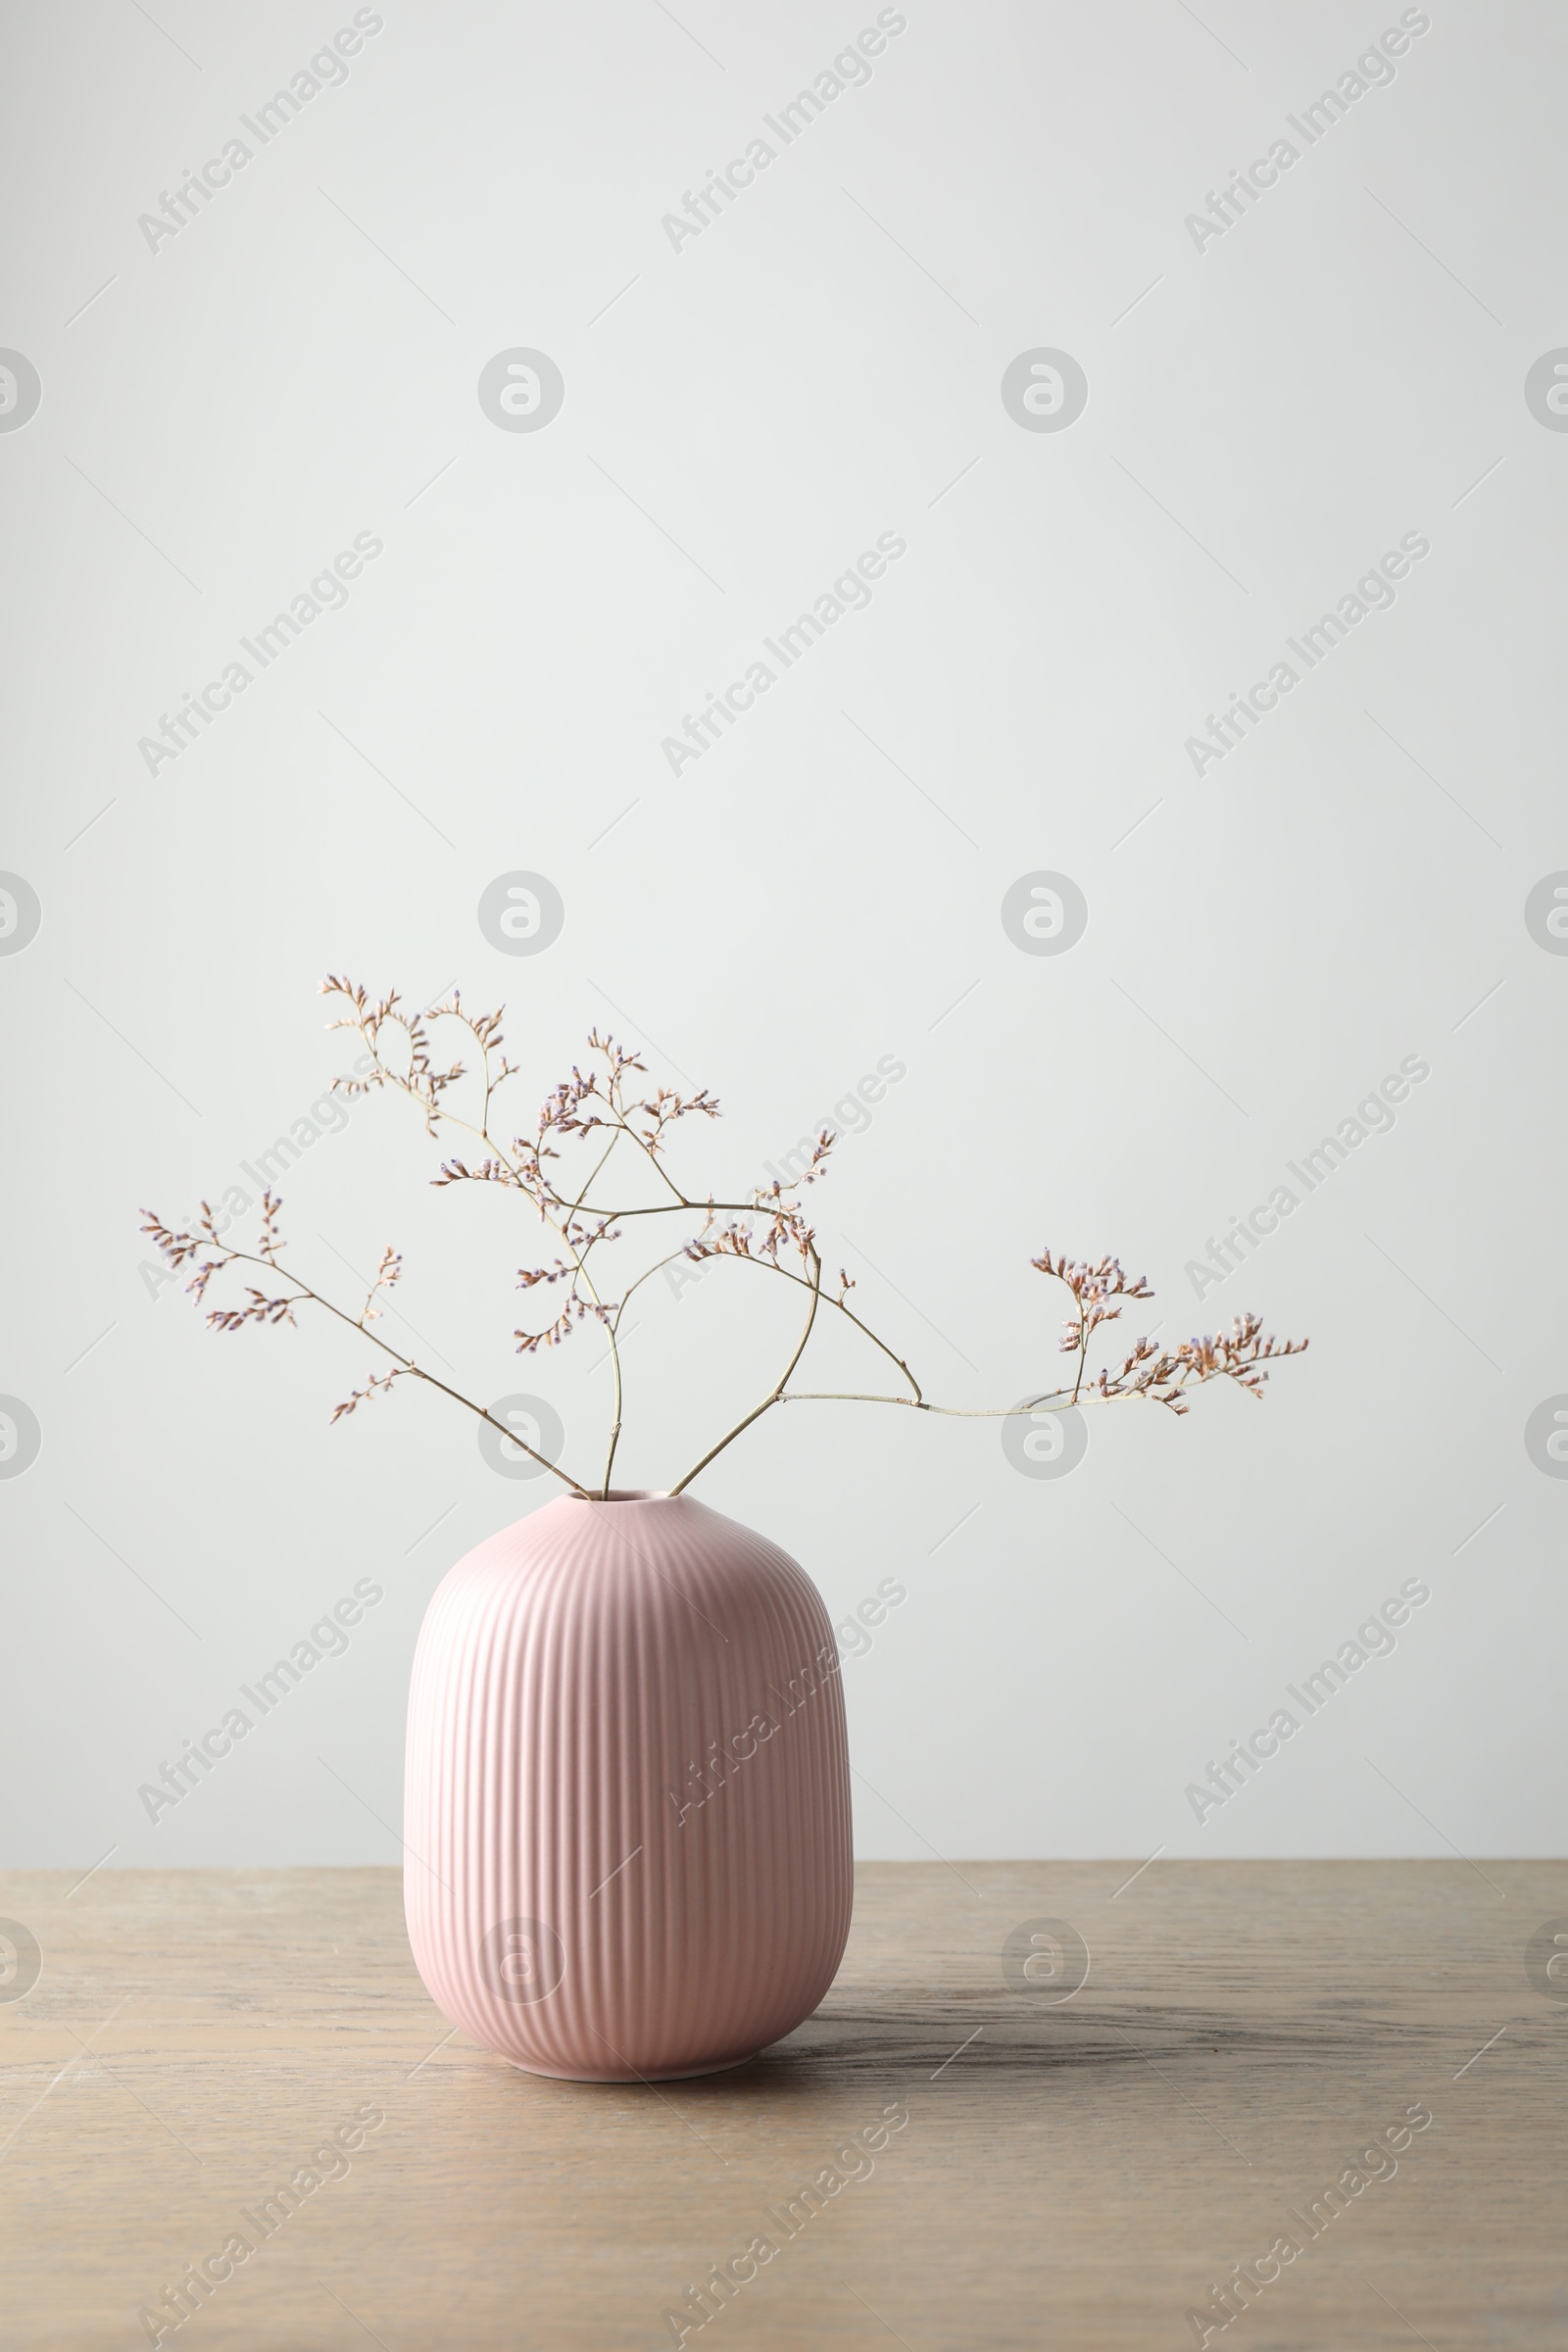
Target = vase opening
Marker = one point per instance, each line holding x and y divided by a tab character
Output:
624	1495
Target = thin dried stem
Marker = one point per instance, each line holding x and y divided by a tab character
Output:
775	1395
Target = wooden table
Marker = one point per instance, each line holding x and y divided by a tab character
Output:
1079	2173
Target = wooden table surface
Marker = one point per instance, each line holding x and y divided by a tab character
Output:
1080	2172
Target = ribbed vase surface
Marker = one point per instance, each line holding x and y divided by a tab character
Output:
627	1799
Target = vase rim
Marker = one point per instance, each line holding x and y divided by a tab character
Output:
627	1495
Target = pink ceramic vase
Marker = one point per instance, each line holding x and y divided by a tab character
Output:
627	1816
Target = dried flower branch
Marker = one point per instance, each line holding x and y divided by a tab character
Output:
209	1255
377	1386
603	1112
1239	1355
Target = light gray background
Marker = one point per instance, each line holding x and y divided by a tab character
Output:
742	417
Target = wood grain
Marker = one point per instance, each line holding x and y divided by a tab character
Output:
1077	2175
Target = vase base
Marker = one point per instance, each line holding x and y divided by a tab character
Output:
679	2074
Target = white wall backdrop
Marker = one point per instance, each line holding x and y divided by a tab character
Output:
204	408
